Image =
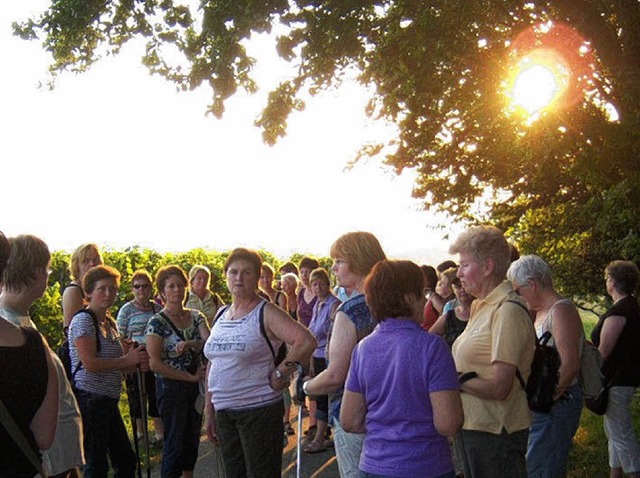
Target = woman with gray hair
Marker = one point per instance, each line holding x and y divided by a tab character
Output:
200	296
551	434
498	341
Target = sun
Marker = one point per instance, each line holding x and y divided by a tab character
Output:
539	79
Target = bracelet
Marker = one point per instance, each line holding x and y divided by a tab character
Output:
305	386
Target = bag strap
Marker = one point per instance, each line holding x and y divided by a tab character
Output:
18	437
95	326
263	330
172	325
518	374
219	313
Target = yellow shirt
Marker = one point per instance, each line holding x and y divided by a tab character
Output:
497	331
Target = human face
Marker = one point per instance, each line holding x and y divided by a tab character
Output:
443	287
471	274
104	294
320	288
344	276
305	272
242	279
174	290
288	286
266	280
141	290
200	283
92	259
461	294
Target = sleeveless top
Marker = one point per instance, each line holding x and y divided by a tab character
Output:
321	323
453	327
240	362
547	325
305	309
23	385
358	313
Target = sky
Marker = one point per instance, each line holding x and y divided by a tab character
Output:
118	157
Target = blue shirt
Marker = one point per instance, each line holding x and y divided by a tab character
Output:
396	368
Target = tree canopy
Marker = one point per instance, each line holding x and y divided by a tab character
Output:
565	186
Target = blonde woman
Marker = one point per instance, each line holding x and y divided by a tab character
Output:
73	298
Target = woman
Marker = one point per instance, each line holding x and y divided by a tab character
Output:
551	434
73	298
28	389
306	297
617	336
499	339
200	297
406	412
354	255
452	323
440	298
133	319
324	311
290	283
25	281
97	361
244	405
266	286
175	338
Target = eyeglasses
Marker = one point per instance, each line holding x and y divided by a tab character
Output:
141	286
517	289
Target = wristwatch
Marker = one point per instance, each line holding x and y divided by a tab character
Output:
305	386
279	374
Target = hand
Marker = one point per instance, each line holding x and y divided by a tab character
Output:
200	374
300	394
183	346
211	427
136	357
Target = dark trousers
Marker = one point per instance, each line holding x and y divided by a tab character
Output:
134	394
322	401
182	425
251	441
104	434
487	455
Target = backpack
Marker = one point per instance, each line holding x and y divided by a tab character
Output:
63	350
543	380
591	377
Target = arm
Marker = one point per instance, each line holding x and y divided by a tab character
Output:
437	301
611	330
210	415
353	411
447	411
155	346
496	387
566	328
44	422
438	327
300	342
282	301
72	302
86	347
343	340
122	322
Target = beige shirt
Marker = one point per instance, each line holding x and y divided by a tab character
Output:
498	331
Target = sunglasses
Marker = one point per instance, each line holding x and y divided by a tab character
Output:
141	286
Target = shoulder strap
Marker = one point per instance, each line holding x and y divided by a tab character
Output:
263	331
518	374
172	325
95	326
18	437
219	313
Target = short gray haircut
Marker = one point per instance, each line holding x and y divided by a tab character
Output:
530	267
482	243
290	276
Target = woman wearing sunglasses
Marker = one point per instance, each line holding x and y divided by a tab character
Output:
132	322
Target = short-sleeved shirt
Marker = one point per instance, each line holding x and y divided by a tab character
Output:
109	383
132	322
160	327
497	331
623	365
396	368
208	306
359	315
321	322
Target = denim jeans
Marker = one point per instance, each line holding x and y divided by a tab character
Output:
251	441
551	436
182	425
104	433
488	455
348	450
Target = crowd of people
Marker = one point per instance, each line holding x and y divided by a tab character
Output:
407	370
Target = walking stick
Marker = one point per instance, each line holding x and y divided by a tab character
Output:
143	413
134	428
300	398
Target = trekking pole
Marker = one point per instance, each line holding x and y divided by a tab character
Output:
300	397
143	413
134	428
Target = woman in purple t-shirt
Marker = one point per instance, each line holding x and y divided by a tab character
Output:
402	390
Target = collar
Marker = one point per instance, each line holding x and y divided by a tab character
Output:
497	295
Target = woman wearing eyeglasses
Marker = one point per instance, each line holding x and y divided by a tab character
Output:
132	322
